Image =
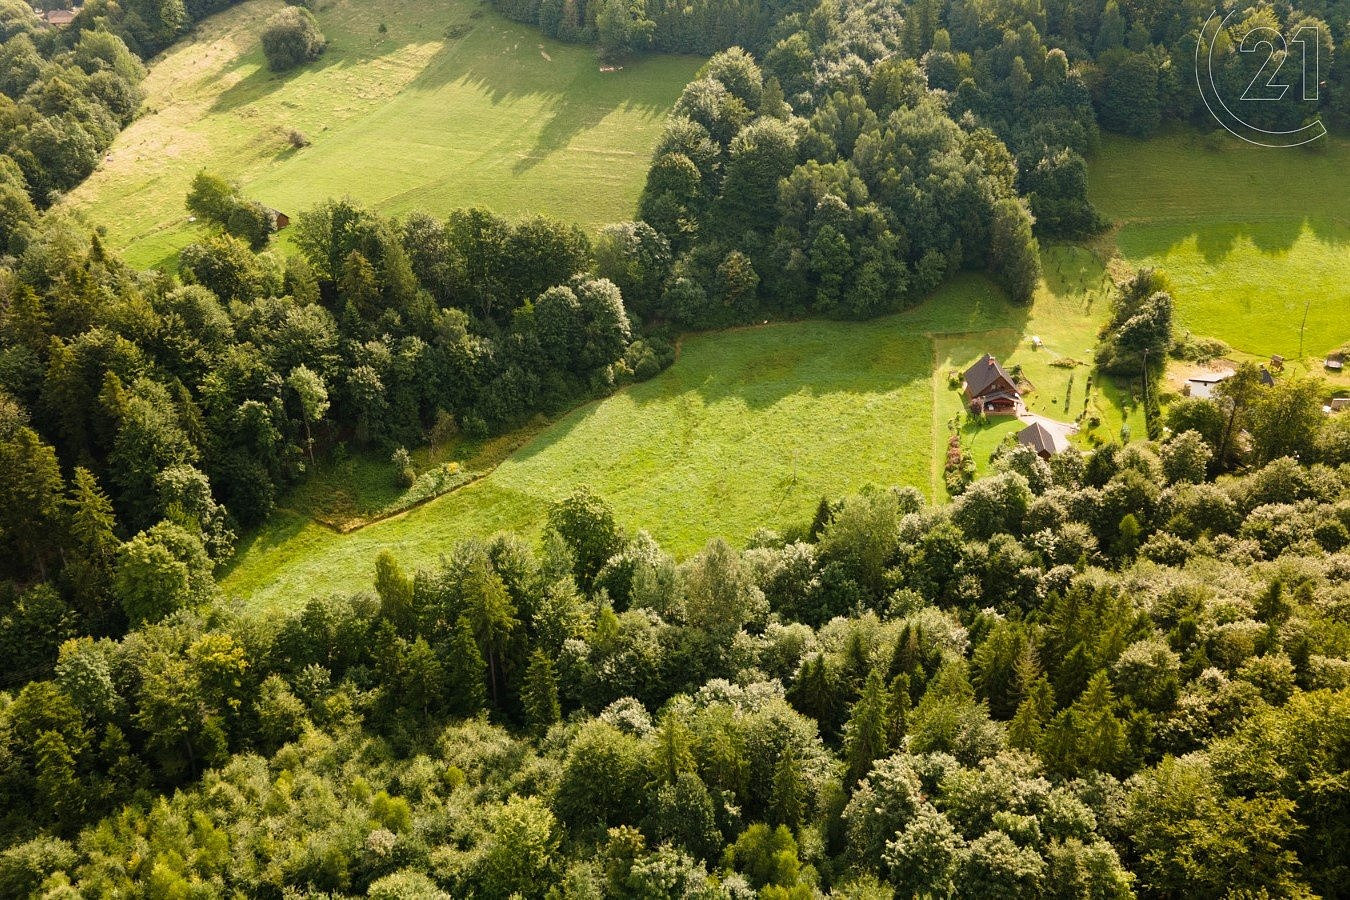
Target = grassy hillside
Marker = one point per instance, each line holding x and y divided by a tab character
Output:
450	106
1250	237
749	426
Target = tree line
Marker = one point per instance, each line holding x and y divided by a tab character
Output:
1112	675
145	419
65	94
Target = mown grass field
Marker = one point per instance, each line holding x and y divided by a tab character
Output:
1249	237
1068	310
750	427
451	106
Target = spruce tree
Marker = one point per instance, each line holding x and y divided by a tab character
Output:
787	803
540	693
492	615
58	788
813	694
673	753
897	719
92	522
1036	708
1101	736
464	670
866	735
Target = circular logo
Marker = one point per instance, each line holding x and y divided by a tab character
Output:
1262	58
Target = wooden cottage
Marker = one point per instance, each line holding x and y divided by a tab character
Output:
990	390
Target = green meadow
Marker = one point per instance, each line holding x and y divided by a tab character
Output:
749	426
1252	239
413	106
1069	308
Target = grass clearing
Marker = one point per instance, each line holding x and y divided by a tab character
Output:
1249	237
749	427
1069	307
451	106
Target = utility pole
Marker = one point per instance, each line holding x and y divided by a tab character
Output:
1306	307
1145	384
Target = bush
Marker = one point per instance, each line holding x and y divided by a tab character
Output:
403	465
291	38
297	138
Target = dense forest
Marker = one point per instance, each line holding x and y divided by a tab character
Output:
1120	674
1126	673
855	152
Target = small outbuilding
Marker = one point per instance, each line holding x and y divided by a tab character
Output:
279	218
1044	440
1202	385
1335	362
59	17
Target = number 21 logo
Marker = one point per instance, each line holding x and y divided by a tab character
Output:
1265	36
1266	84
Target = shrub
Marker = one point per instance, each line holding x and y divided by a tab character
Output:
291	38
403	465
297	138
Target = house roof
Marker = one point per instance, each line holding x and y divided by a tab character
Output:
1201	389
1042	439
59	16
1211	377
984	375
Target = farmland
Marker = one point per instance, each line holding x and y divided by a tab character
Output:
412	107
755	425
749	426
1250	238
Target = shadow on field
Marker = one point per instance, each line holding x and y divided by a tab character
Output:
498	58
280	528
577	98
754	366
1216	241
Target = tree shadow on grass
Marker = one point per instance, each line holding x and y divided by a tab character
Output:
280	529
502	60
880	359
1216	242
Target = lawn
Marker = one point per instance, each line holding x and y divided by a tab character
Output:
749	427
1068	310
449	105
1251	238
